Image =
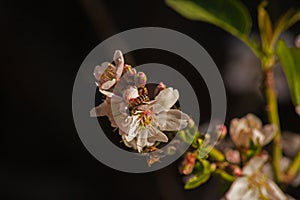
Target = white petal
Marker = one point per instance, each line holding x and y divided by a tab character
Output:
142	139
238	189
173	120
100	110
251	194
272	191
165	100
119	61
269	132
258	137
133	129
106	93
255	164
156	135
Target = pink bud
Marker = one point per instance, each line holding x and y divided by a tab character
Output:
161	86
188	163
140	79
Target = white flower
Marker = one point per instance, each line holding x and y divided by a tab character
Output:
253	184
145	125
249	128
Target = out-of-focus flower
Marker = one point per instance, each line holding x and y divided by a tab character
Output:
188	163
249	128
232	156
297	41
145	124
253	184
107	74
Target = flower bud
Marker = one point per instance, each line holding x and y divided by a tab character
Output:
161	86
140	79
129	70
188	163
232	156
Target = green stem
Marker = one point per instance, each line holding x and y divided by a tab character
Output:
272	110
224	175
217	155
293	168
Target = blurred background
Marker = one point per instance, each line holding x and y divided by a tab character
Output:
43	44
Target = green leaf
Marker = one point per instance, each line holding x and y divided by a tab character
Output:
230	15
196	181
285	21
290	60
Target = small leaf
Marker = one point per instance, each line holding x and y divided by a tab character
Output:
290	60
196	181
230	15
265	25
287	20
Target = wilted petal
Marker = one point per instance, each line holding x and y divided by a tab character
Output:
173	120
165	100
238	189
131	144
255	164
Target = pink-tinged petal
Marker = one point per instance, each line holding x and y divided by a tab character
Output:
173	120
253	121
238	189
108	84
269	131
106	93
99	70
255	164
119	61
156	135
130	93
165	100
100	110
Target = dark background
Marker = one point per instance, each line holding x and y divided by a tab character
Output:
42	46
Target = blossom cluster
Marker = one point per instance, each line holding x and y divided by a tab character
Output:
140	118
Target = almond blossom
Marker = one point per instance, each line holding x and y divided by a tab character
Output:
249	129
253	184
